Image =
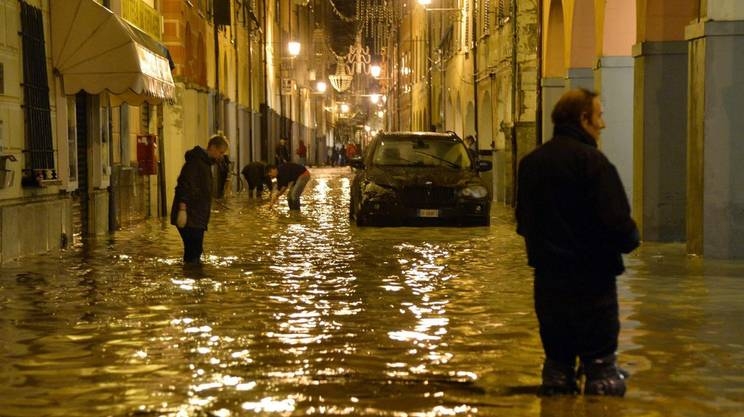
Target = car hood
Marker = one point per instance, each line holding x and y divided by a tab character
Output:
397	177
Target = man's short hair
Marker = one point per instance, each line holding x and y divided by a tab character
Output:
218	141
572	105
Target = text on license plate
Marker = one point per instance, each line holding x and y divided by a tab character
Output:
428	213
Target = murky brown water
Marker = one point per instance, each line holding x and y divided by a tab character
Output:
302	314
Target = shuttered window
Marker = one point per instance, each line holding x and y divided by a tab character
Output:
39	146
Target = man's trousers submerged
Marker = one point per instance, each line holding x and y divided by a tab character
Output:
293	196
579	318
577	321
193	244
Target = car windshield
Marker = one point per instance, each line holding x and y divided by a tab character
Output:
422	152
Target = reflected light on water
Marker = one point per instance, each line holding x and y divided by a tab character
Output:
307	314
270	405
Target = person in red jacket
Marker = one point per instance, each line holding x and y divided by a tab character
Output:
302	153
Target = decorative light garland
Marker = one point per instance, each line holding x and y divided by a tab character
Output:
339	14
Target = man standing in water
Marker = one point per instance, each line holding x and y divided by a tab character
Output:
575	219
292	178
193	200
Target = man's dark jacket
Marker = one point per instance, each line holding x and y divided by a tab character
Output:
288	172
194	187
255	174
572	209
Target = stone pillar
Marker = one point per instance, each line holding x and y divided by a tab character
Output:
552	89
581	78
615	76
715	209
659	140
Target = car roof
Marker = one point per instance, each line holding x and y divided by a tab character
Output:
417	135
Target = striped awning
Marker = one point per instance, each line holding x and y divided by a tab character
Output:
97	51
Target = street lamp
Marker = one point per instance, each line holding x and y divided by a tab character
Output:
321	87
294	48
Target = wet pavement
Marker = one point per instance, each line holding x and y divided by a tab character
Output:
303	314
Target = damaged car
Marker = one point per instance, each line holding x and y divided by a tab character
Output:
419	178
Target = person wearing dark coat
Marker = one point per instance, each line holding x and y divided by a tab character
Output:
255	174
291	178
574	215
193	199
281	152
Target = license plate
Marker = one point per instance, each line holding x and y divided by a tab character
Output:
428	213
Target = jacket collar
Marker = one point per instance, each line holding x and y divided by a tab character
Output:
576	132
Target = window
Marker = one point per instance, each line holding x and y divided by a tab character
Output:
39	147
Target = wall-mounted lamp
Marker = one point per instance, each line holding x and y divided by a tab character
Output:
321	87
293	47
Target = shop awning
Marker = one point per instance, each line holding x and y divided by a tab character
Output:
95	50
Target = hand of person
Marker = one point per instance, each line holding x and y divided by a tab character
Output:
181	218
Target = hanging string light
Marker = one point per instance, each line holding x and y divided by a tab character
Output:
339	14
375	21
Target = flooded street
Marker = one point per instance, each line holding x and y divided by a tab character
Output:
304	314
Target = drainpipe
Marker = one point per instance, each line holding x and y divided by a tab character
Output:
430	67
237	159
216	123
474	19
538	84
515	44
251	145
265	108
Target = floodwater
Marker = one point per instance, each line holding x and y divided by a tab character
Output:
303	314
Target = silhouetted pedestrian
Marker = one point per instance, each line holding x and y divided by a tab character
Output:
281	152
575	219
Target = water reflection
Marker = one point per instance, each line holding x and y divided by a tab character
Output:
303	314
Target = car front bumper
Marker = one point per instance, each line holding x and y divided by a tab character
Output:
385	211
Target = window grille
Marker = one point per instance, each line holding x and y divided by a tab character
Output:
39	146
466	39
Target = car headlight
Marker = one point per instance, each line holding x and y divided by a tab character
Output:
474	191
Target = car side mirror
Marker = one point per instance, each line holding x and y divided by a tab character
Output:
357	162
484	166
